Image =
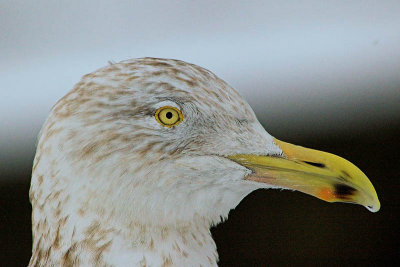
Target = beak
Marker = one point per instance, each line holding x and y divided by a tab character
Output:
320	174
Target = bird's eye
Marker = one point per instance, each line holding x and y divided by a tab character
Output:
168	116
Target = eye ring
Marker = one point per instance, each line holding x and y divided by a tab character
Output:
168	116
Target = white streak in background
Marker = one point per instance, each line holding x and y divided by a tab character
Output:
288	60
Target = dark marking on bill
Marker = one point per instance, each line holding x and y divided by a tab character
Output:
345	173
344	191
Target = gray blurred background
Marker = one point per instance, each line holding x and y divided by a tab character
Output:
322	74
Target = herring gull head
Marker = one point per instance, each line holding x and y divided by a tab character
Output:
143	151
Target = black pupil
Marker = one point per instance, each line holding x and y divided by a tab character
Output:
169	115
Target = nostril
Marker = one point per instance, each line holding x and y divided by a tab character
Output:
315	164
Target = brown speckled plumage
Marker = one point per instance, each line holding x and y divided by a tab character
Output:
109	182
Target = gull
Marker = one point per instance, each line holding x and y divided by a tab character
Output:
139	160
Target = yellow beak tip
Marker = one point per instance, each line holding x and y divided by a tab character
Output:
374	208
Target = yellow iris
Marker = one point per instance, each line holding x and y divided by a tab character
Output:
168	116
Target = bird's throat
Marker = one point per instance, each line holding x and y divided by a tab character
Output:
168	246
136	245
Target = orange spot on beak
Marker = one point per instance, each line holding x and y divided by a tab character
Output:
326	194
